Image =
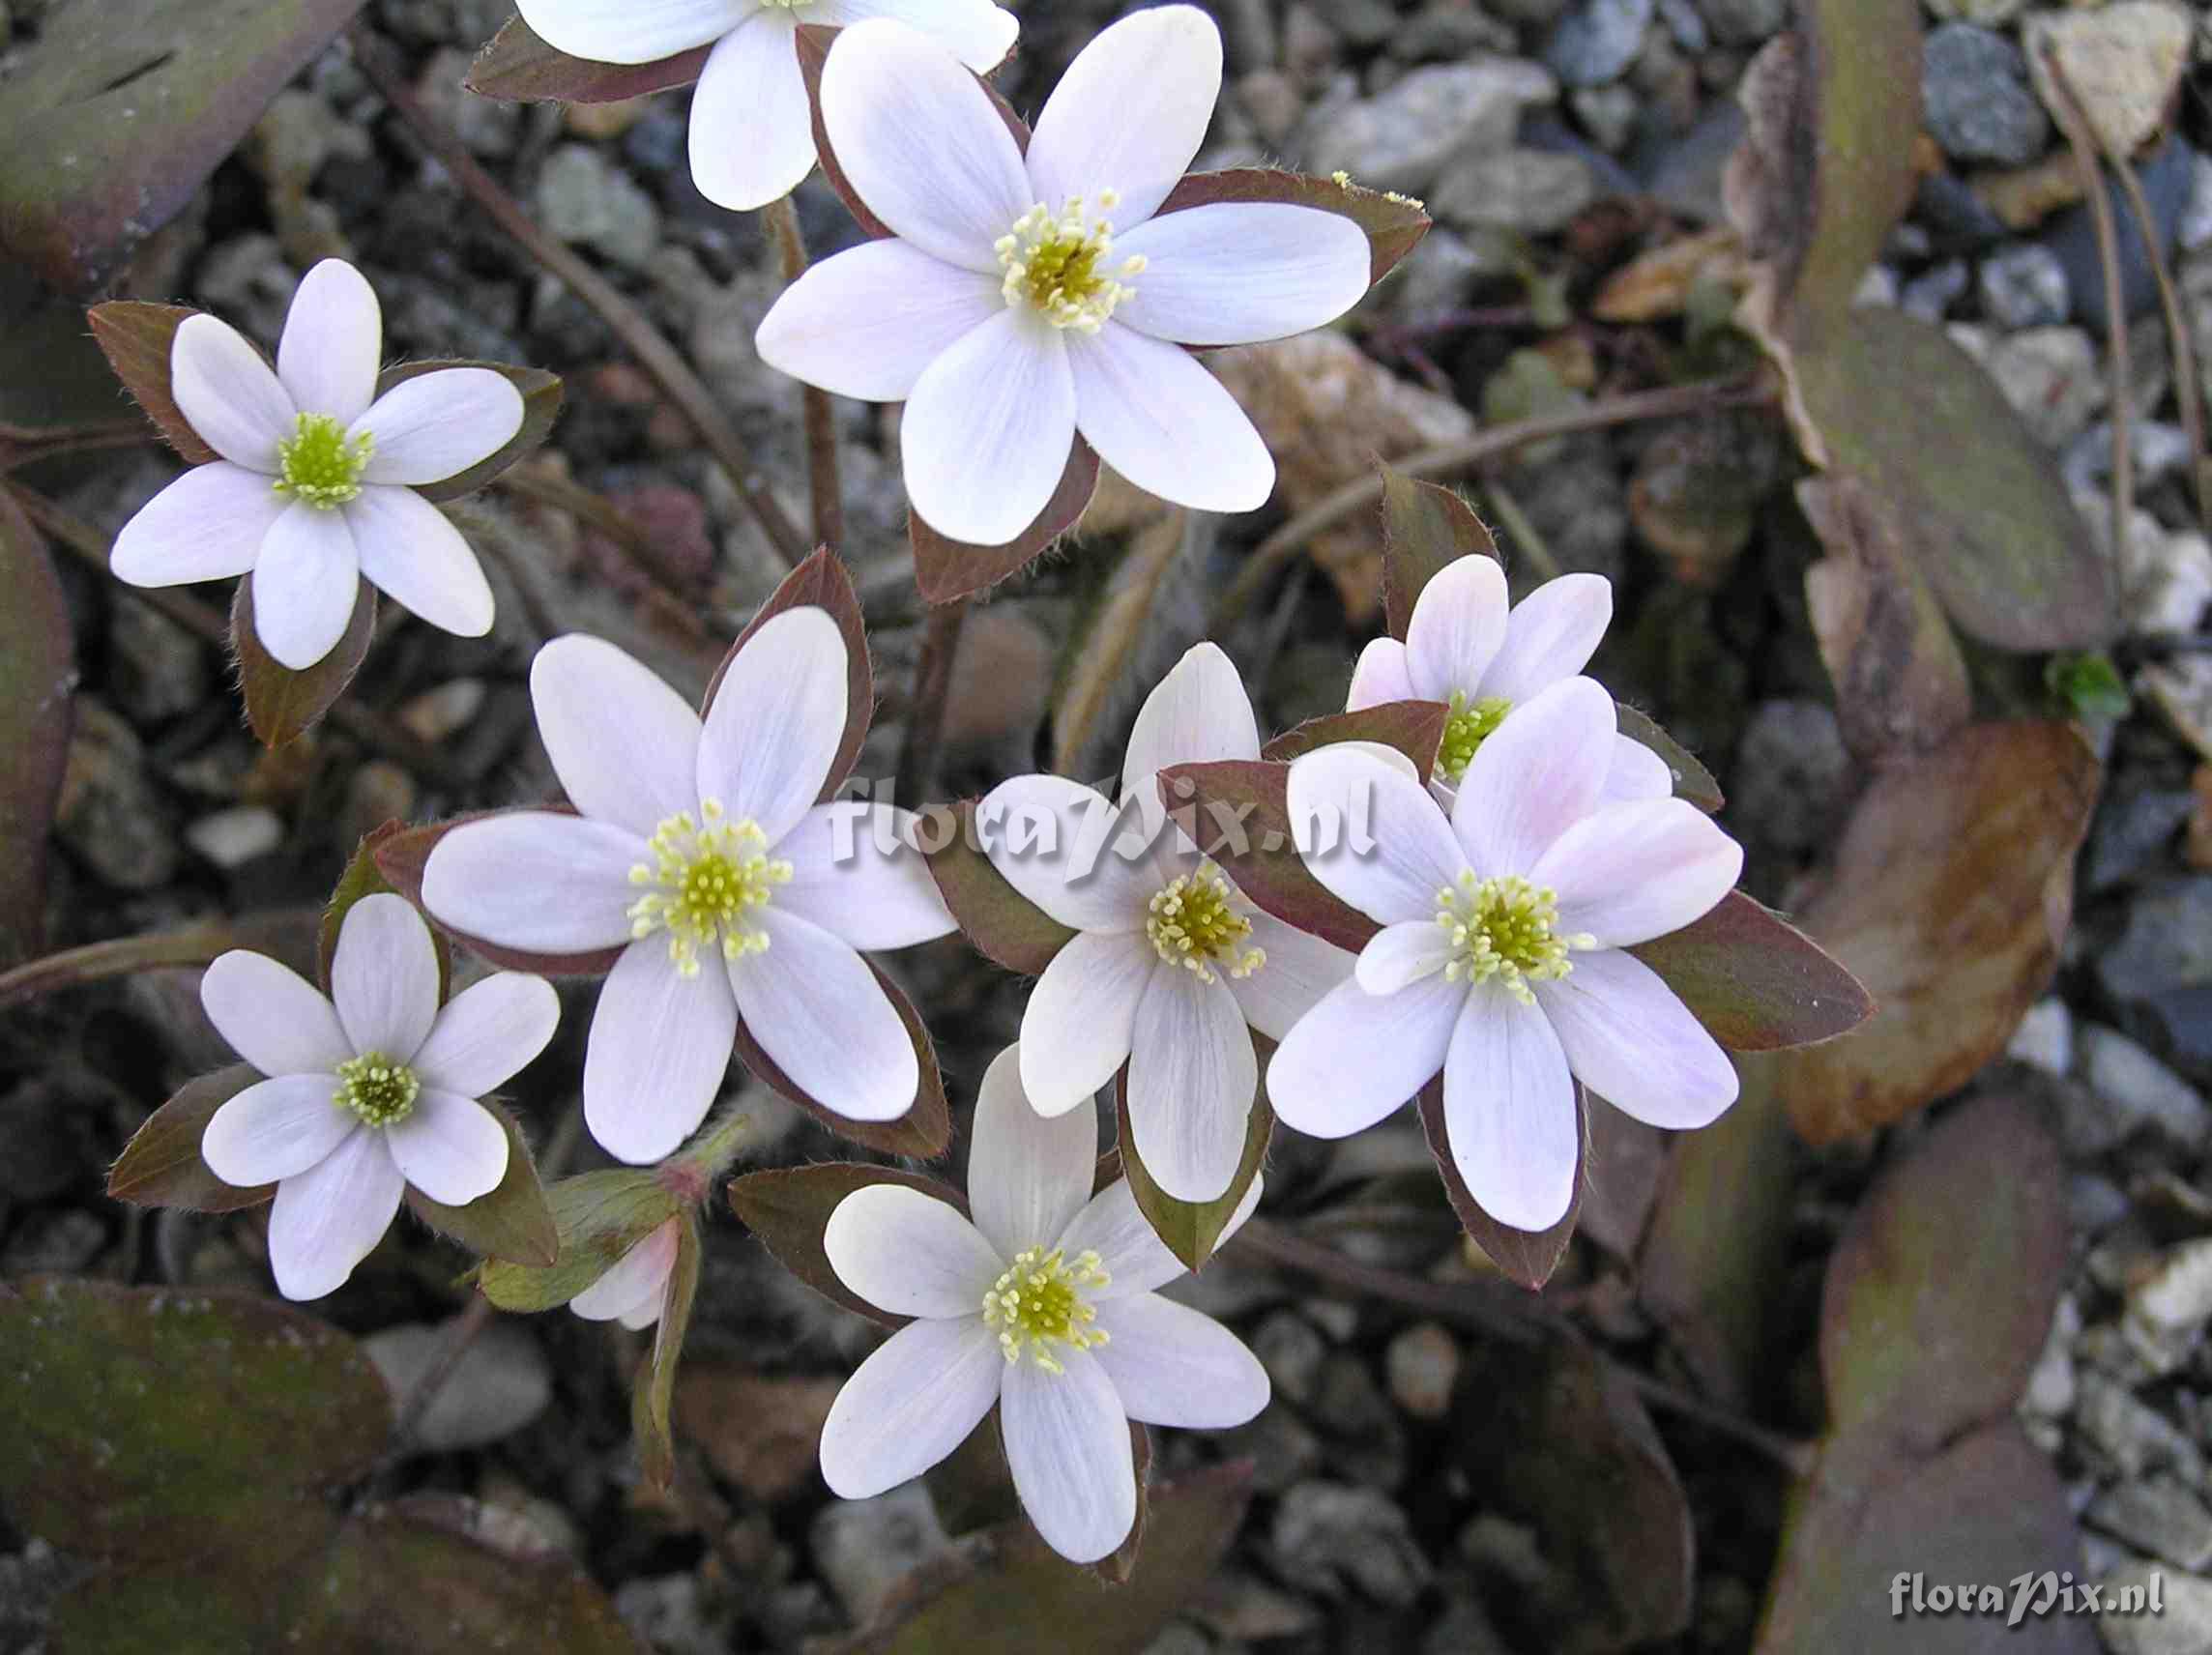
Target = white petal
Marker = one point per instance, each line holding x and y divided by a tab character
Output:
1636	773
1413	855
908	1253
624	745
1130	112
272	1016
304	585
1133	1256
231	397
987	429
646	1312
1542	769
1509	1110
1459	621
383	976
1028	1176
485	1033
1192	1075
438	425
752	131
1400	955
1067	1445
1232	273
1627	873
1055	841
207	525
329	1217
870	897
1552	634
1300	968
659	1045
776	721
1633	1043
1196	715
639	1277
275	1129
451	1147
412	551
909	1405
921	143
1356	1056
865	322
1164	422
333	335
821	1015
1172	1365
1081	1017
1382	674
631	31
536	879
977	32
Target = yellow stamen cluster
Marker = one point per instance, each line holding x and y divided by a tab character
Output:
318	465
1502	928
1039	1303
1466	729
376	1088
1195	923
706	875
1058	266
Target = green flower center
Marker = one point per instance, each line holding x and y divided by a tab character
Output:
317	465
1504	928
1466	729
1039	1303
377	1089
706	877
1059	267
1195	922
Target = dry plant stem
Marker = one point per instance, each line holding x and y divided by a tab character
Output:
365	725
25	445
1469	452
925	710
1526	538
821	420
653	353
1497	1311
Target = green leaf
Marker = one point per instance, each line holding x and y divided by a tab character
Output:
1238	811
38	677
2087	686
655	1387
1191	1229
403	856
1393	223
1414	728
821	582
514	1221
1754	982
518	67
1525	1255
282	705
789	1209
364	878
541	407
599	1217
162	1165
1003	924
1692	780
137	337
1424	527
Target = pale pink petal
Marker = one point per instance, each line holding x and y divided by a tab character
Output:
1056	842
977	32
1542	769
909	1405
1135	1259
646	1312
1067	1445
437	425
1192	1076
659	1045
638	1277
329	1218
1081	1017
383	976
228	396
631	31
822	1019
1458	624
1399	956
752	131
1636	773
411	550
1341	797
988	427
867	321
208	523
1356	1057
1300	969
485	1033
272	1016
777	718
624	745
1172	1365
845	882
1630	1040
333	337
1509	1110
1627	873
1198	714
275	1129
1383	675
1166	424
1130	112
908	1253
1232	273
1552	634
1028	1175
304	585
536	879
449	1146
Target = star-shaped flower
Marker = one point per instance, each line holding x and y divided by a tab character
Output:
315	489
700	852
1023	299
753	133
1502	959
1045	1304
366	1095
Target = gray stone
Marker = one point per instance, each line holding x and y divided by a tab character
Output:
2160	1517
1291	1352
1282	1447
1535	192
1274	103
2182	1627
1987	12
1973	84
57	1242
156	669
1931	293
1406	137
2168	942
2094	1203
864	1548
110	814
1744	22
2157	448
2051	377
2131	1435
666	1612
2134	828
2045	1037
1333	1536
2024	286
231	838
1608	113
582	197
1686	25
1596	41
1445	32
2141	1092
1422	1364
1791	772
2195	231
1437	273
1580	506
499	1384
2050	1388
246	281
1179	1638
2169	1303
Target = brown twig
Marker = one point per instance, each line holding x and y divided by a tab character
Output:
925	708
1469	452
653	353
821	419
1526	539
24	445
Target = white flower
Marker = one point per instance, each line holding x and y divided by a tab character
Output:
1021	301
1172	963
1045	1304
700	847
313	490
753	133
368	1094
1502	959
1466	647
633	1287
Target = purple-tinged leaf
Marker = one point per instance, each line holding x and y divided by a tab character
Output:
282	705
1756	982
821	582
364	878
162	1165
1692	780
137	338
923	1132
37	678
401	858
1190	1230
1414	728
789	1209
1002	924
946	569
1238	811
1525	1255
1393	224
541	406
1424	527
653	1389
517	67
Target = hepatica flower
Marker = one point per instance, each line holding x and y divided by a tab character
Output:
315	490
753	133
1045	1304
1502	956
1172	967
1468	646
1021	299
700	853
636	1286
369	1090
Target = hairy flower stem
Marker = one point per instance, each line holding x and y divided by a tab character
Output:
925	708
782	220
